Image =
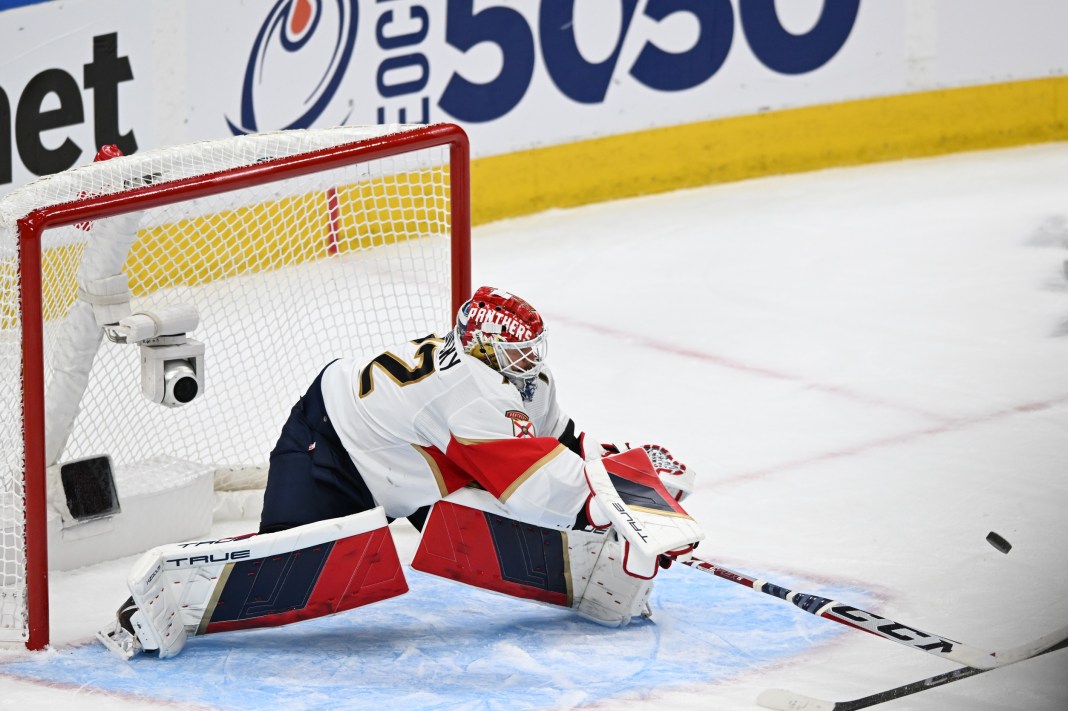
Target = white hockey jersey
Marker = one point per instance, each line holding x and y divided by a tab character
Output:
425	421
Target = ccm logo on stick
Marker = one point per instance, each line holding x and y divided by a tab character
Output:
888	628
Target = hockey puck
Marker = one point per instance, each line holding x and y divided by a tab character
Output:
998	542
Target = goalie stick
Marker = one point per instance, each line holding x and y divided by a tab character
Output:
941	647
782	700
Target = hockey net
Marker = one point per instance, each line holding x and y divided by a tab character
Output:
294	247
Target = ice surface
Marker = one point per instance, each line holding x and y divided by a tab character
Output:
867	367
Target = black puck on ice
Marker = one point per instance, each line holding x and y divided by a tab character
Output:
998	542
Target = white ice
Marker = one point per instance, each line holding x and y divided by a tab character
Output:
868	369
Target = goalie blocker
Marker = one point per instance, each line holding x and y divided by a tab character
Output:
604	573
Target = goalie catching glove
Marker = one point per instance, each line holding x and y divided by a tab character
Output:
674	475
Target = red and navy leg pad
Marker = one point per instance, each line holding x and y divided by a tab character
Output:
495	553
319	580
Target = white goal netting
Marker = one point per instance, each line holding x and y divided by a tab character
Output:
288	269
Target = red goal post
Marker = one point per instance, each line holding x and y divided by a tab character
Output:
293	247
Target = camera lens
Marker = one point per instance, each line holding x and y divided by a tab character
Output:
179	382
185	389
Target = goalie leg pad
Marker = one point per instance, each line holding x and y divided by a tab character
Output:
612	596
266	580
495	553
582	570
157	621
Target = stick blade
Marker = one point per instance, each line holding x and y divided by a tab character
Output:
782	700
1057	639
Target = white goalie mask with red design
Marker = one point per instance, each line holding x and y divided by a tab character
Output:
504	332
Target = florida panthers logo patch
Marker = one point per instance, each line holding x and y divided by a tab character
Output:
521	424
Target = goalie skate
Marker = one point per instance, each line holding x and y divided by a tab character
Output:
120	638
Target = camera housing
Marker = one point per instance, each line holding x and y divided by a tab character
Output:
172	370
172	364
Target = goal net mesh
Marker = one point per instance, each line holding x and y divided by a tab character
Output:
286	275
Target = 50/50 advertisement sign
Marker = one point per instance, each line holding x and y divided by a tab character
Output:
515	74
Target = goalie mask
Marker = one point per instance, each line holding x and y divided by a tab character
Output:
506	333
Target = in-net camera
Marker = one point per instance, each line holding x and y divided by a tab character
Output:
172	364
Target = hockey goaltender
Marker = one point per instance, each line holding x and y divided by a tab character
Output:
462	434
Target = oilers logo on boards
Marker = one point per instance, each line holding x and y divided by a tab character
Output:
310	41
422	62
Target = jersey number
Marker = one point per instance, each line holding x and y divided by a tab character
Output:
400	372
